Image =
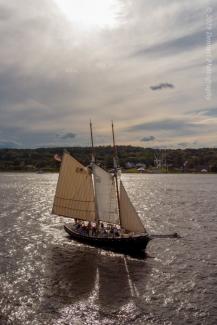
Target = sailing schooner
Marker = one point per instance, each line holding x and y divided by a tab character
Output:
93	195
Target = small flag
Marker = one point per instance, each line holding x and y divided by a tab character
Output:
57	157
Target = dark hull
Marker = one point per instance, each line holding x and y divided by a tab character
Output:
129	245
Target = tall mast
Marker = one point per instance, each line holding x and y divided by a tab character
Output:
92	145
115	163
93	179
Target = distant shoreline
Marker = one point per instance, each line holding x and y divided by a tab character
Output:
131	159
123	172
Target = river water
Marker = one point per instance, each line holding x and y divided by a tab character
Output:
45	278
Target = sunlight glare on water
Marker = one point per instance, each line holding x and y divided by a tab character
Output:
45	278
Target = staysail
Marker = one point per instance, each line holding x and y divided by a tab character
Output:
74	196
105	191
128	215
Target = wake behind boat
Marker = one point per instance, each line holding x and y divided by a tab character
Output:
94	196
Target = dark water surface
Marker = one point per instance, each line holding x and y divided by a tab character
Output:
47	279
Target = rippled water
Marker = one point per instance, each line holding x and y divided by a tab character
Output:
45	278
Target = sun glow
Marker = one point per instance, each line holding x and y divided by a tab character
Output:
90	13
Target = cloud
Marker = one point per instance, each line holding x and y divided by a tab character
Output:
183	144
188	144
29	138
148	138
163	124
9	144
68	135
175	46
178	130
5	13
66	75
162	86
208	112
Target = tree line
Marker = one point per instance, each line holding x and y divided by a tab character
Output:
189	160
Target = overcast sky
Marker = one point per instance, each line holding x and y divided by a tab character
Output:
148	65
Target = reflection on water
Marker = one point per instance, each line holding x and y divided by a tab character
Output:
46	278
114	289
80	275
72	273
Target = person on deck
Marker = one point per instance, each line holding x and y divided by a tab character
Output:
89	227
112	230
94	230
116	232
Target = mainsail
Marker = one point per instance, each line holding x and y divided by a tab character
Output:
79	196
105	191
74	196
128	215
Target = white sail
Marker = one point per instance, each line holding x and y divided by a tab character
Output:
128	215
105	191
74	196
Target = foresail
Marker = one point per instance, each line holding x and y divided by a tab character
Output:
105	192
74	196
128	215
